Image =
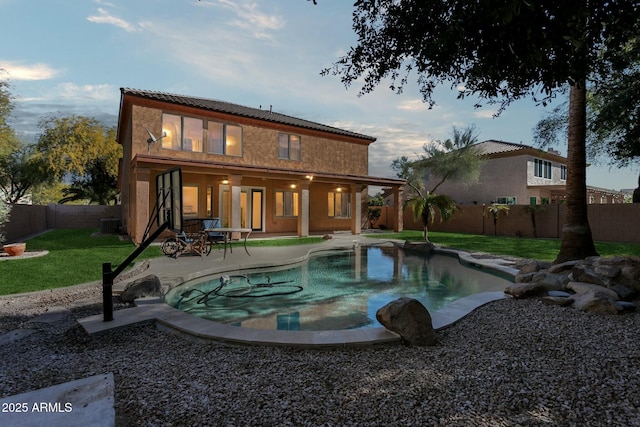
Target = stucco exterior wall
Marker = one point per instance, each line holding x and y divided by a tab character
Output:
259	147
502	177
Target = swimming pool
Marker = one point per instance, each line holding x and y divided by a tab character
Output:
331	291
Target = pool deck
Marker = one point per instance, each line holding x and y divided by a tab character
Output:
173	272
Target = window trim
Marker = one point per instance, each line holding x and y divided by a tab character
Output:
542	169
288	157
224	139
293	200
332	208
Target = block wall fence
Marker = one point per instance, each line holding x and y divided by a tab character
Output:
608	222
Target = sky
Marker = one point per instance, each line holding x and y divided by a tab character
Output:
66	57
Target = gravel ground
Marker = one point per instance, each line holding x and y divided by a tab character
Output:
510	363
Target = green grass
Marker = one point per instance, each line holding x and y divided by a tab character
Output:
541	249
76	257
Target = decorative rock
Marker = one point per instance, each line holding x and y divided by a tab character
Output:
630	276
623	292
561	294
565	266
601	291
144	287
590	301
626	306
410	319
609	271
525	277
583	273
531	267
553	282
524	290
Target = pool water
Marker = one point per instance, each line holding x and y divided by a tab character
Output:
331	291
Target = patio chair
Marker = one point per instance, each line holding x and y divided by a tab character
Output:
213	237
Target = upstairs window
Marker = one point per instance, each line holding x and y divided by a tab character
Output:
542	168
563	172
288	146
339	205
172	131
224	139
193	132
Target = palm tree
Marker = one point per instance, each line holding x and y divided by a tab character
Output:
455	159
495	210
532	210
577	242
424	208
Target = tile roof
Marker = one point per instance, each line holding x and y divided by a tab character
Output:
492	146
240	110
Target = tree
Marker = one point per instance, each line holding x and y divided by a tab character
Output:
613	112
97	185
495	210
21	172
454	159
5	211
532	210
83	150
8	140
499	51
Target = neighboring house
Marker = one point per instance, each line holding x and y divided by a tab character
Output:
250	167
519	174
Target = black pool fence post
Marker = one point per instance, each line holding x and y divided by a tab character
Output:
107	286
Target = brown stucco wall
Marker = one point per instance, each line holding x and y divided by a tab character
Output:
612	222
260	148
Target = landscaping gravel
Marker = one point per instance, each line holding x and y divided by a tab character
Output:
510	363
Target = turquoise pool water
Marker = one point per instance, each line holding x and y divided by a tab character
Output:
331	291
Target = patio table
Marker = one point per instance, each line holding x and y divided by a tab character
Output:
228	232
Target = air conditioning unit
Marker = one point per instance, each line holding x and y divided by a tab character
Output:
109	226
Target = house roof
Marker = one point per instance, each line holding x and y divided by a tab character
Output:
494	148
240	110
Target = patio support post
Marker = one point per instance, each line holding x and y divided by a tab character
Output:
142	198
236	191
398	199
356	208
303	208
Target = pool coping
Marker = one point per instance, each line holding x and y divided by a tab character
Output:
165	317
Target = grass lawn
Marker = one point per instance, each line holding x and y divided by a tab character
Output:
541	249
76	257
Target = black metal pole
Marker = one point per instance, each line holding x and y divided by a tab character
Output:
107	286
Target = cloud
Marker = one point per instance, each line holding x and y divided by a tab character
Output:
104	17
486	114
413	105
17	71
249	18
101	92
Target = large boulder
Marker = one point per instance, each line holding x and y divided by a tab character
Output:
410	319
525	290
148	286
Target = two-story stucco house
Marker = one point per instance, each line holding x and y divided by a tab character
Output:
250	167
519	174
